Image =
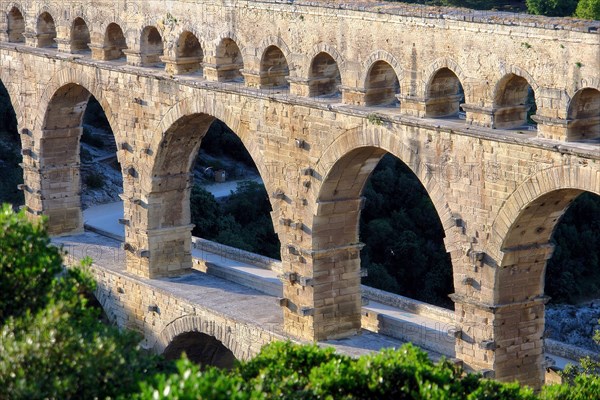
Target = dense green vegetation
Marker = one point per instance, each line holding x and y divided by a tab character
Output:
242	221
53	343
586	9
573	272
552	8
399	225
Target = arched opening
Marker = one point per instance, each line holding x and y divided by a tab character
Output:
16	26
78	152
201	349
573	275
46	31
274	68
445	94
229	61
539	259
404	249
382	85
114	42
403	239
80	36
514	103
216	187
151	46
189	53
10	153
584	115
324	76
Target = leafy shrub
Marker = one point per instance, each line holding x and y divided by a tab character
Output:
552	8
66	352
52	342
94	180
588	9
284	370
28	264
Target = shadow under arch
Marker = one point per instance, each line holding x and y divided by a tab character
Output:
201	349
15	25
577	179
195	324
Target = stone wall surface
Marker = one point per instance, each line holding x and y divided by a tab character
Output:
498	192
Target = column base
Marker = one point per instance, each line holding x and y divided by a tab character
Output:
479	116
182	65
160	252
568	130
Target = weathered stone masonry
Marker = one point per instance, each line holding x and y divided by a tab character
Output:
163	71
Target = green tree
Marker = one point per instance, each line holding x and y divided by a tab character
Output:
404	250
552	8
588	9
205	213
28	264
52	342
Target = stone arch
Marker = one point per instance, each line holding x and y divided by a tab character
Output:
15	25
229	60
332	51
439	64
381	85
518	252
189	51
324	77
151	45
13	93
583	115
197	106
274	68
200	348
168	180
345	167
57	156
381	55
280	43
46	30
80	36
444	93
68	76
510	98
193	323
549	180
114	42
380	138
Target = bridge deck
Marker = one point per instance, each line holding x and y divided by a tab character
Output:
207	292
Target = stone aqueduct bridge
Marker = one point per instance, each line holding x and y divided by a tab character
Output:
164	70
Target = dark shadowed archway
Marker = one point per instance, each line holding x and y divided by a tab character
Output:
80	36
201	349
16	26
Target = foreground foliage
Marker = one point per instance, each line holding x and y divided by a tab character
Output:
53	343
284	370
588	9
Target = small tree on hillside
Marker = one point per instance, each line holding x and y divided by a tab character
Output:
552	8
588	9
